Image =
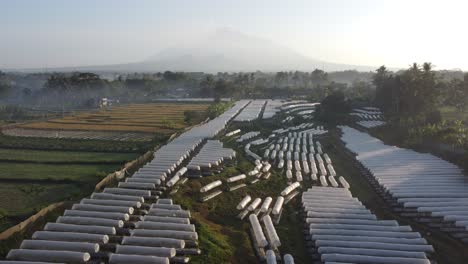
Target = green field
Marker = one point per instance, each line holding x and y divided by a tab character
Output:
18	201
25	188
36	172
86	145
21	199
21	171
64	156
450	113
32	179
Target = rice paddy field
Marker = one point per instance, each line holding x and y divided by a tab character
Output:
130	122
20	200
48	161
75	134
32	179
37	172
49	156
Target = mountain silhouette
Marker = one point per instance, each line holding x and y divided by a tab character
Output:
225	50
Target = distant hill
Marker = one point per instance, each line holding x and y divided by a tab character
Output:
225	50
229	50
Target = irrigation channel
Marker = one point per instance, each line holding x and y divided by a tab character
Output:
137	221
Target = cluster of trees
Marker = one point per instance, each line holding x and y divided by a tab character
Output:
412	100
78	89
418	93
5	86
84	89
73	89
314	85
396	92
318	78
75	82
12	112
334	108
237	86
304	79
411	93
456	93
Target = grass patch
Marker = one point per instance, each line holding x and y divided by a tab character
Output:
64	156
20	171
451	113
214	241
15	240
88	145
18	201
29	198
28	184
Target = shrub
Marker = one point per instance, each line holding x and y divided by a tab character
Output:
217	109
193	117
334	108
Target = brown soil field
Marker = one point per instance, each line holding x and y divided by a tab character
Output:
148	118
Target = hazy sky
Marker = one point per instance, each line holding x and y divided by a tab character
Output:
51	33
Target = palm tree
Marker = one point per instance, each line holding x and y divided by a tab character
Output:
427	67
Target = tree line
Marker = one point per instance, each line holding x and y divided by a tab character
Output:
413	100
418	93
84	88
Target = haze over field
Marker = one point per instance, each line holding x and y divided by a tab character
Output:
242	35
220	131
